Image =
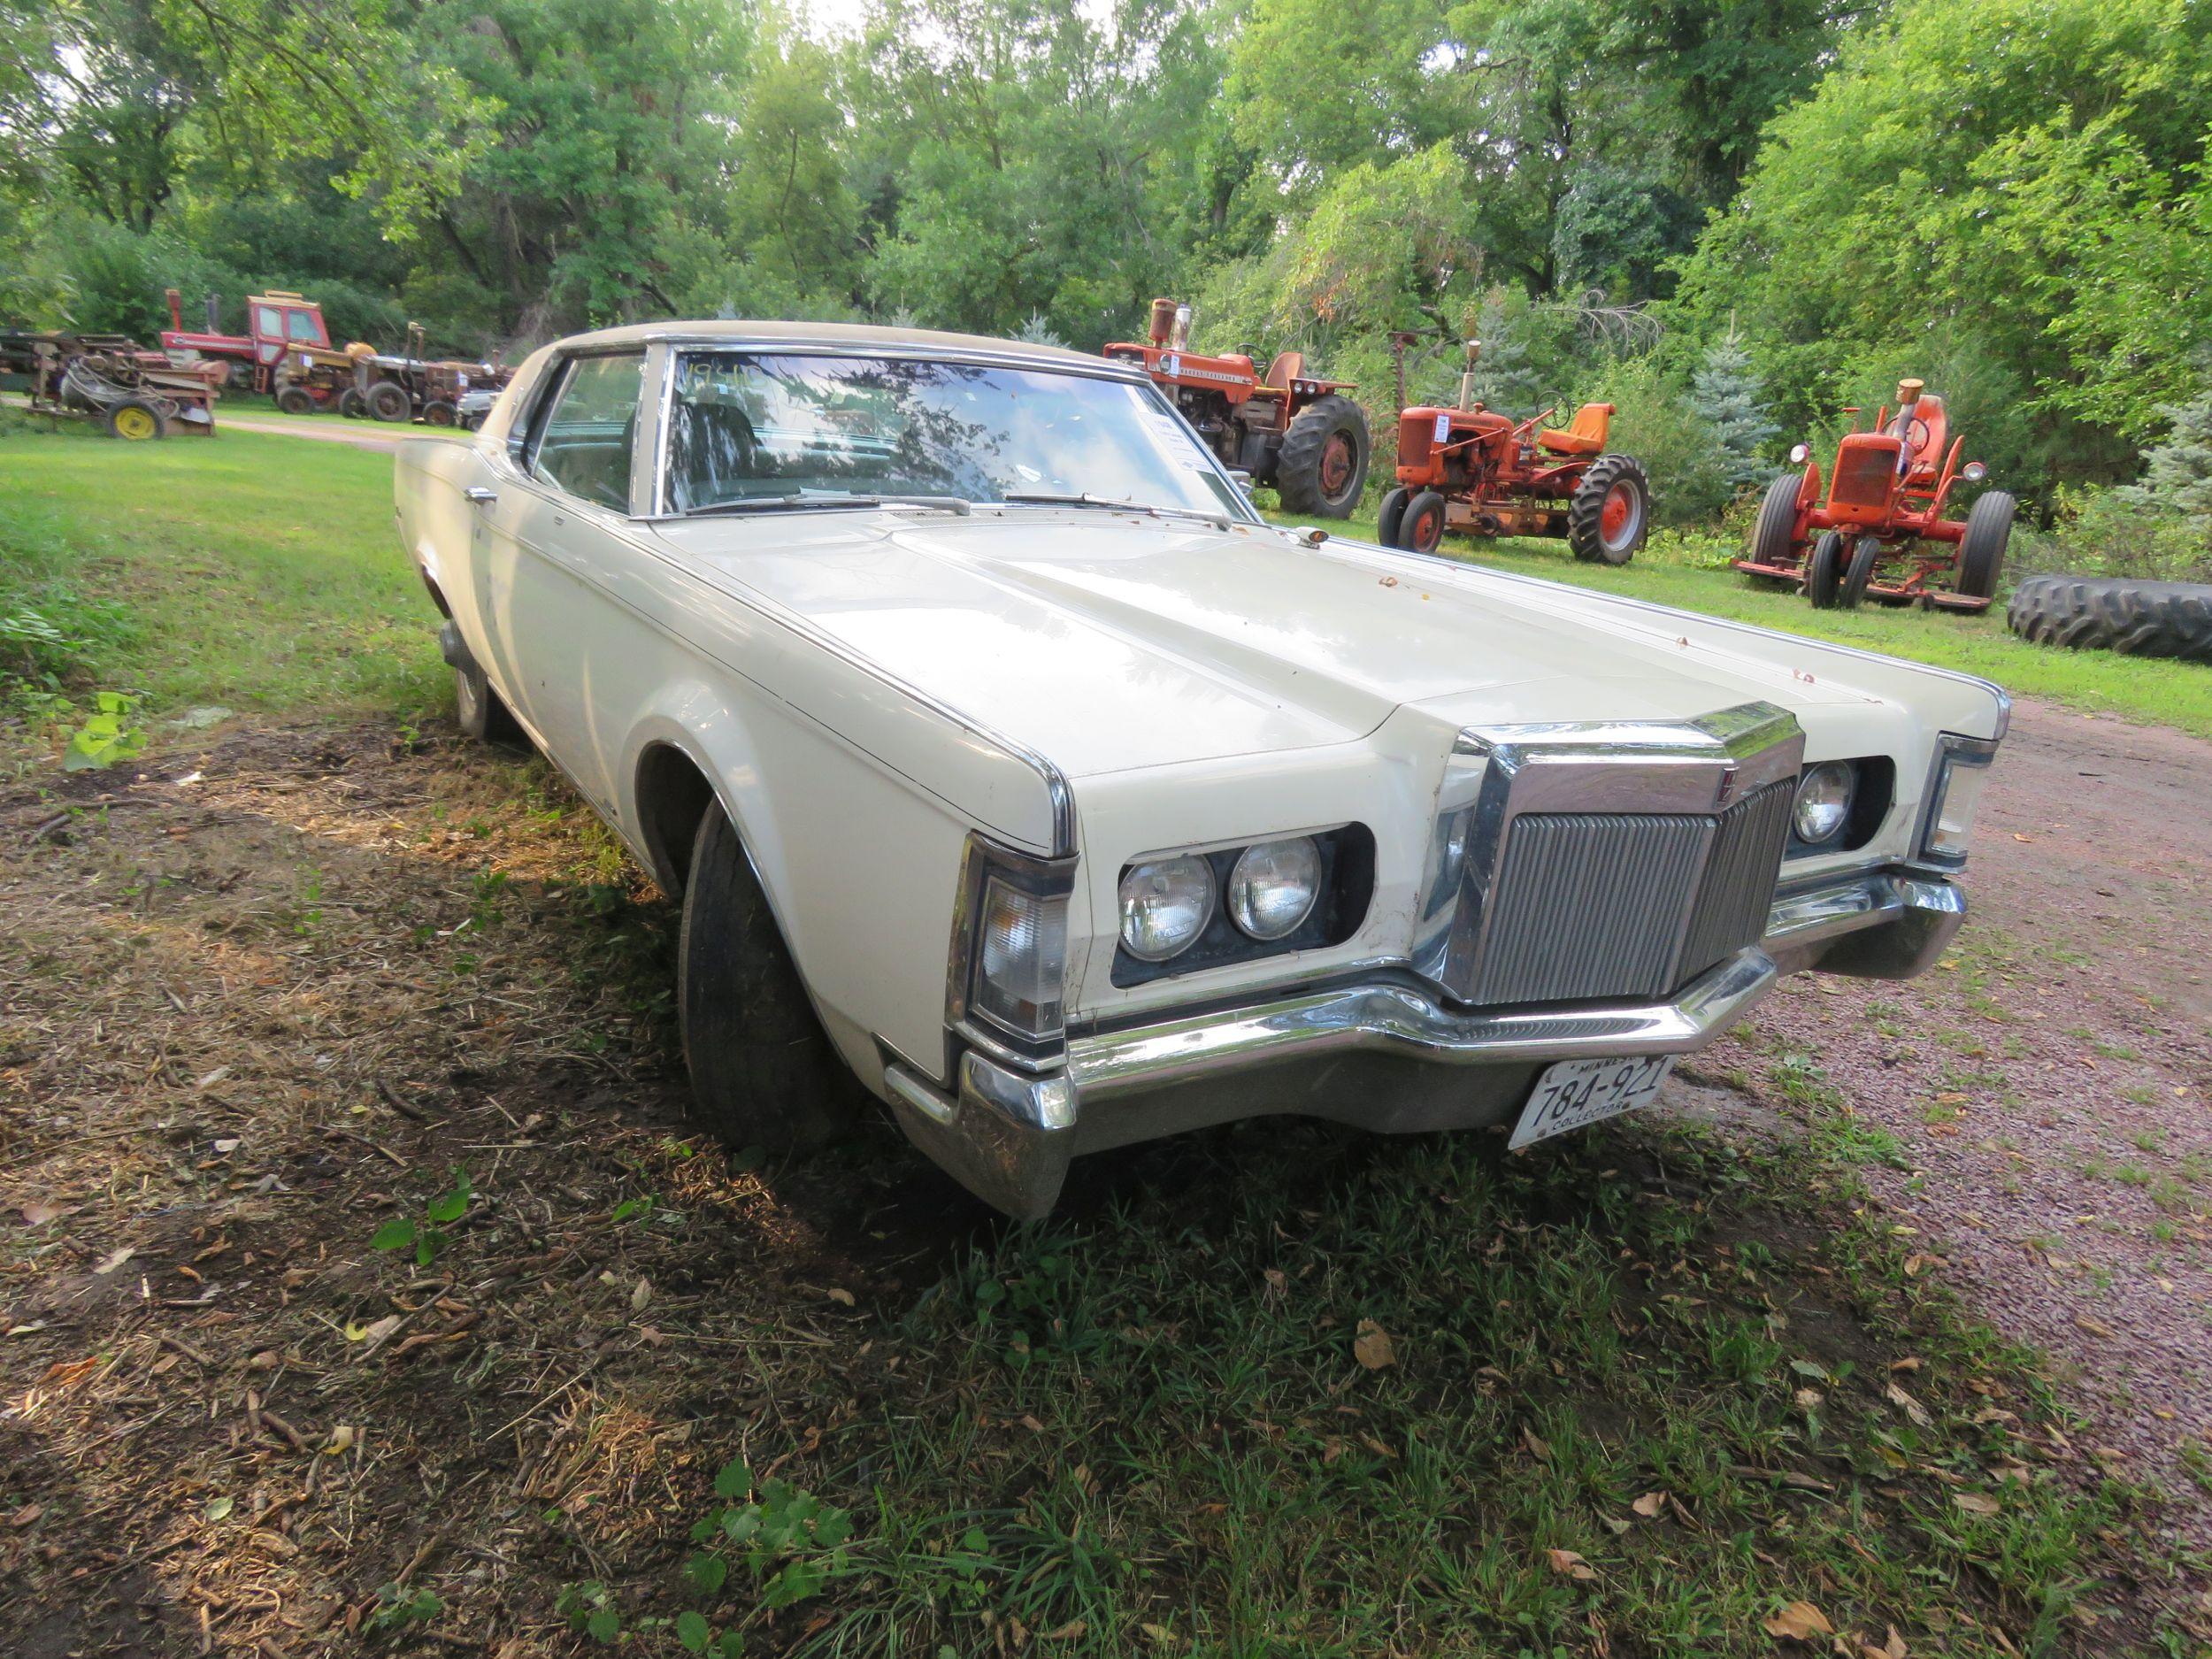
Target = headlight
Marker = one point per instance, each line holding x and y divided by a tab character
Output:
1962	769
1799	453
1165	904
1824	800
1274	887
1973	472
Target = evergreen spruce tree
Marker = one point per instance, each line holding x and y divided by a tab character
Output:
2177	472
1727	393
1038	331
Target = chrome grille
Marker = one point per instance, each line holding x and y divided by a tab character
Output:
1621	904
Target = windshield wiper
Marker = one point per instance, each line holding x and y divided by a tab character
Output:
1028	498
809	499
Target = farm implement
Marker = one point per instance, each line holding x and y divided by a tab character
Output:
136	394
1288	429
1470	471
1880	532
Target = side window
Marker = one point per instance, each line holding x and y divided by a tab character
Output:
583	444
267	323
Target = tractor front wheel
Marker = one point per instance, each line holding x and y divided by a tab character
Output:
1774	535
1393	512
134	420
1610	512
1982	549
352	405
1421	526
1824	570
437	412
388	401
296	400
1864	558
1322	466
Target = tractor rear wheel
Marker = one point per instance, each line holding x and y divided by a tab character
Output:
1774	535
352	405
388	401
437	412
1322	466
1982	549
295	400
1421	526
1393	512
134	420
1864	558
1610	512
1824	570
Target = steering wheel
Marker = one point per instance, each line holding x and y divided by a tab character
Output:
1916	436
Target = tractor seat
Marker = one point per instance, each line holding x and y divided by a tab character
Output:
1927	453
1287	366
1585	435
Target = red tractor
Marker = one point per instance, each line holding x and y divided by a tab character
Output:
276	322
1287	429
1472	470
1881	532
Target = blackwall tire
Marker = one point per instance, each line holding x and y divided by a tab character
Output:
1323	463
295	400
1773	534
1609	514
1824	570
1393	512
2108	614
438	413
388	401
352	405
136	421
479	712
763	1072
1858	573
1421	526
1982	549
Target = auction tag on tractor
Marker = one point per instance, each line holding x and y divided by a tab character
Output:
1575	1094
1443	429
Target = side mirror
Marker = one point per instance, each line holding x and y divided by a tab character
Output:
1242	479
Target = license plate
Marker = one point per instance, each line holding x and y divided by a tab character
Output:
1575	1094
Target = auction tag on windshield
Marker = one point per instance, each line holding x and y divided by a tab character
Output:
1443	429
1575	1094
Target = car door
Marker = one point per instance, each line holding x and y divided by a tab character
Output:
548	537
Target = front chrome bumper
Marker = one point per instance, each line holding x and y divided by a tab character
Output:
1382	1053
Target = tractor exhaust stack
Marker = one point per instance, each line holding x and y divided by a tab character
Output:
1467	376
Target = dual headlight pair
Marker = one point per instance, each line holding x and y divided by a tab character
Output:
1168	904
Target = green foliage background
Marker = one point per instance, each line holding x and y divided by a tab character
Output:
2008	198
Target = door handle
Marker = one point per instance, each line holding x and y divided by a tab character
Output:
480	496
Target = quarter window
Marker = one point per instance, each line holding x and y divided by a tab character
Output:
584	446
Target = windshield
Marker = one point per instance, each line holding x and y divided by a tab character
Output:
756	425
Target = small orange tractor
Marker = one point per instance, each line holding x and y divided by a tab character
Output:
1287	429
1472	470
1881	534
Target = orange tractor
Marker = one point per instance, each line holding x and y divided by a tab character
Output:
1881	532
1474	471
1285	428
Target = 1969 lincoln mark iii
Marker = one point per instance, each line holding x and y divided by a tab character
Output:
1011	769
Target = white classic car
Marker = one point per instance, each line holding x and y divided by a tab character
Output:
1011	769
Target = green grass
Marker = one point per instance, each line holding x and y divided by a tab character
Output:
1690	572
250	570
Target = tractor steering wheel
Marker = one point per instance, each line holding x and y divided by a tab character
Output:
1916	434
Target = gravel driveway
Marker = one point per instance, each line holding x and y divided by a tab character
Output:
2047	1088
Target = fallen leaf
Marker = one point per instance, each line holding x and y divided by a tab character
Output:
1650	1504
219	1508
1277	1281
374	1333
1573	1565
1906	1403
39	1214
212	1077
24	1516
843	1298
1540	1449
1799	1621
1371	1347
1911	1362
1068	1632
1976	1503
1808	1398
108	1264
643	1294
342	1439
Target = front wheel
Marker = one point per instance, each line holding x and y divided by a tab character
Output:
352	405
1982	549
296	400
134	420
1421	526
1774	535
1322	466
1864	558
1393	512
1610	513
763	1072
437	412
1824	570
388	401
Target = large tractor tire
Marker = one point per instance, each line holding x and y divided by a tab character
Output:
388	401
1610	513
1322	466
1774	534
2108	614
134	420
1393	513
763	1072
437	412
1982	549
296	400
1824	570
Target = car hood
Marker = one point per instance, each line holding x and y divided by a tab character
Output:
1109	642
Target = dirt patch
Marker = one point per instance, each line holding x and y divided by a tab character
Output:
2040	1108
